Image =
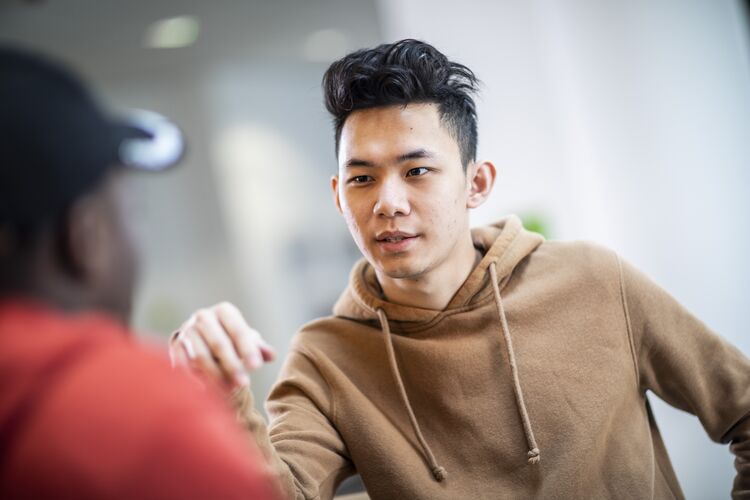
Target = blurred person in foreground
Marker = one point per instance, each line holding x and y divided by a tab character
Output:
469	363
84	411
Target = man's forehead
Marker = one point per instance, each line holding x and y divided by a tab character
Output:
399	116
391	132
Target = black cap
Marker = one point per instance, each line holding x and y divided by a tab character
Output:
56	143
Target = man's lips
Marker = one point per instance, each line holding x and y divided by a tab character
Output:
391	236
395	241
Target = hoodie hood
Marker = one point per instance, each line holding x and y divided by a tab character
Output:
504	243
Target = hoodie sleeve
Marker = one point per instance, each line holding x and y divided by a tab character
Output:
305	450
690	367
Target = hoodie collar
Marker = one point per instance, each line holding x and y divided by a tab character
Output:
505	243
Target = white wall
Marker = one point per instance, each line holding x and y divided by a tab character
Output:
626	123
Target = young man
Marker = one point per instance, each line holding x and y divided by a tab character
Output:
460	363
84	412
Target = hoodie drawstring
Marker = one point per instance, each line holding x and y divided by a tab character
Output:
533	454
438	472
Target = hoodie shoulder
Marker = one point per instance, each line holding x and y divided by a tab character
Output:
583	260
323	331
578	250
334	344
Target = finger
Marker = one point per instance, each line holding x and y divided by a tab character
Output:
199	355
177	354
266	349
247	342
180	361
187	325
220	346
263	350
268	352
239	332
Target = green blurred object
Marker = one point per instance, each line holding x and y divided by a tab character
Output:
536	223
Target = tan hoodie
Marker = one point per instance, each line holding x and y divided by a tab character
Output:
530	384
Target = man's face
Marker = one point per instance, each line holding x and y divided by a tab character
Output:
402	189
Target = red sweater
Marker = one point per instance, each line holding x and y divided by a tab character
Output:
86	413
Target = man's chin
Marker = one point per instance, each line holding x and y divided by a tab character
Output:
399	272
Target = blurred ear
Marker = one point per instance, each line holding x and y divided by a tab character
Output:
335	188
84	240
480	181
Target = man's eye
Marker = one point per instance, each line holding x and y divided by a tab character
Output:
417	171
360	179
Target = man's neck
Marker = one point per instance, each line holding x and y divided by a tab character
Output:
434	289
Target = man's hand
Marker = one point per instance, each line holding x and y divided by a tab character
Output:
218	343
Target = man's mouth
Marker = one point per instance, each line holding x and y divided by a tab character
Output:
393	236
395	241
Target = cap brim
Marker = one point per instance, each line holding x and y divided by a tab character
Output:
148	141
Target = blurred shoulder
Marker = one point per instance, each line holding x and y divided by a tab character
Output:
124	382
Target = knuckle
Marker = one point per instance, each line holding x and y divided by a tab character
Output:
202	316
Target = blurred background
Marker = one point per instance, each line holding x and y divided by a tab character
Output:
626	122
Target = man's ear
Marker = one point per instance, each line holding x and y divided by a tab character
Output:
82	241
480	181
335	188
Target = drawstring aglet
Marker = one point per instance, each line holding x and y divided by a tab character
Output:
439	473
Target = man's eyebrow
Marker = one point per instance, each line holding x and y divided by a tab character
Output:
417	154
355	162
411	155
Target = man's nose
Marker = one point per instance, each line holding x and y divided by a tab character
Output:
392	199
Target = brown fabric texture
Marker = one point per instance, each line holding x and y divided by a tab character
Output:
531	383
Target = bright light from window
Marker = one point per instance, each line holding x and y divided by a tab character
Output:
172	33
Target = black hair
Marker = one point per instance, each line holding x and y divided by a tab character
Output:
19	242
407	71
